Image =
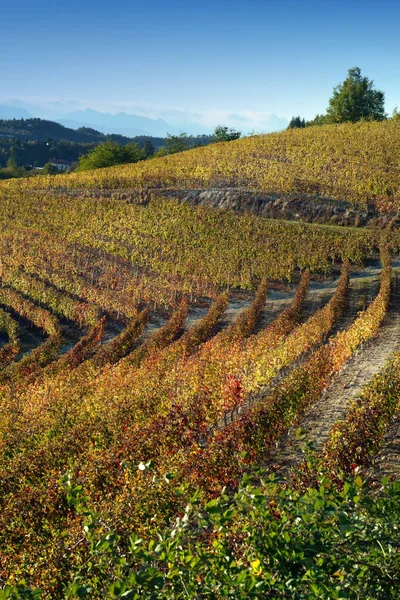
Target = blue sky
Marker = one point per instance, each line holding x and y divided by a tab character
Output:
208	60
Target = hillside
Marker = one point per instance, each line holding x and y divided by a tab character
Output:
40	129
157	353
34	142
354	162
36	130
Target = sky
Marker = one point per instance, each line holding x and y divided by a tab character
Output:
208	61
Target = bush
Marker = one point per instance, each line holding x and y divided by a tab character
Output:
110	154
264	542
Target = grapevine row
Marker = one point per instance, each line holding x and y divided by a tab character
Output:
192	246
10	327
353	441
117	348
40	291
42	319
258	429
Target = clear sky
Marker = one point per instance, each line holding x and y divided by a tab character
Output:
231	58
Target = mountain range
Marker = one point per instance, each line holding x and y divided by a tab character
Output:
128	124
122	123
13	112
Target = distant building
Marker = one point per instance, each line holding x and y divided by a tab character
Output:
60	164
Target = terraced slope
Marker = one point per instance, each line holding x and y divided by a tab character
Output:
353	162
167	347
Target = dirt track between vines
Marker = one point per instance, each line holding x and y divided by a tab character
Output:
387	461
332	406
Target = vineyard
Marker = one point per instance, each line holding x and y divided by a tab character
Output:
157	357
354	162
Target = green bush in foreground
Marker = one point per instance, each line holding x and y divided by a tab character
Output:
335	540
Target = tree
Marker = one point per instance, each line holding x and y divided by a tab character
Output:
356	99
109	154
161	152
296	122
396	114
13	169
224	134
50	169
176	143
148	148
317	120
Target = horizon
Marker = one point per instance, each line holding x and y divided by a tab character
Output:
196	66
193	123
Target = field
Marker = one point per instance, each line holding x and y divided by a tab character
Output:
157	356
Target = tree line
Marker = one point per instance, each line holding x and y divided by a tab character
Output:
111	153
28	147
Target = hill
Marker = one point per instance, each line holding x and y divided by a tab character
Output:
36	141
41	129
354	162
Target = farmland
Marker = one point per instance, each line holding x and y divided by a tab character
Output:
158	354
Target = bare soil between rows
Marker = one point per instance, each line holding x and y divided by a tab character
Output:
332	406
387	461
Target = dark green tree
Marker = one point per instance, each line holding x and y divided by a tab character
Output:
296	122
50	169
225	134
176	143
356	99
148	148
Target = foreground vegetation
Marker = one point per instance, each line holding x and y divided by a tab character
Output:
330	541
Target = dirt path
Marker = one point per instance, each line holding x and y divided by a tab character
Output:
333	405
364	285
236	306
387	461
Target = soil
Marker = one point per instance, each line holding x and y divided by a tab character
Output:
387	461
333	405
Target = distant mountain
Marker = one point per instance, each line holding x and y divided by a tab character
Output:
127	132
13	112
122	123
74	114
